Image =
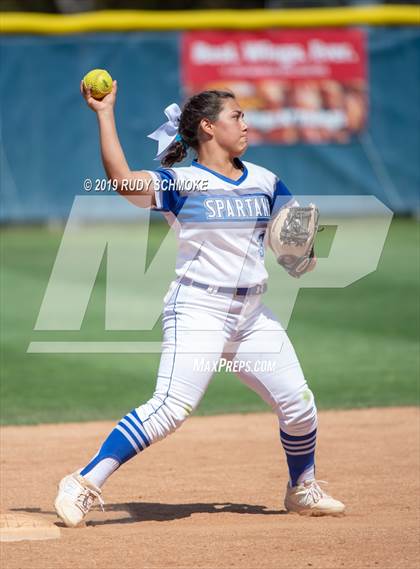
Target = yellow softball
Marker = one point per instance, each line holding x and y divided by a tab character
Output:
99	82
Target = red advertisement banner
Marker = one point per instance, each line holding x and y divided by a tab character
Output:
294	85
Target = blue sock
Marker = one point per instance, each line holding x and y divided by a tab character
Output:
125	441
300	454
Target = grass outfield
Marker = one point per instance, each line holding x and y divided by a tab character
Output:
357	345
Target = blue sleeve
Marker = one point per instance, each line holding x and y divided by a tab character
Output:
170	198
281	197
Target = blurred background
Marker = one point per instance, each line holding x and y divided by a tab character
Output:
68	6
332	102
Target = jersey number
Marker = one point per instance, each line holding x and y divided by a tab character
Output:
261	243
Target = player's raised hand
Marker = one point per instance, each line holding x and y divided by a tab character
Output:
99	105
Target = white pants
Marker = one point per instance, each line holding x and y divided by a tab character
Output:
200	328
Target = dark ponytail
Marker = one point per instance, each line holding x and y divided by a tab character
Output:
176	153
204	105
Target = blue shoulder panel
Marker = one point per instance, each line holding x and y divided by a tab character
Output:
172	201
281	196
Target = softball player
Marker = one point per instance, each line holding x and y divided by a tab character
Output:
219	208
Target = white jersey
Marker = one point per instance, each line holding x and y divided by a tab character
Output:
220	223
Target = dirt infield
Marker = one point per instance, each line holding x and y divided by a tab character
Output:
210	496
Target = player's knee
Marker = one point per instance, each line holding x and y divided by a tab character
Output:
162	416
175	413
299	414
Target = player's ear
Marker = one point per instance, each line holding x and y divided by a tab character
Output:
206	127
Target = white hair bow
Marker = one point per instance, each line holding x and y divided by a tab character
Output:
167	132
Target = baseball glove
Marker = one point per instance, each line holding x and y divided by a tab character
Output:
291	235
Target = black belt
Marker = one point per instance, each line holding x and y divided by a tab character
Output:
240	291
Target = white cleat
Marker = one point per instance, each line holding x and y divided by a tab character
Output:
75	498
308	499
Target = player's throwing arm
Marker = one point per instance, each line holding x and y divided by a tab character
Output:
136	186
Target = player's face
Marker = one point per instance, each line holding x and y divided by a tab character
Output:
230	130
